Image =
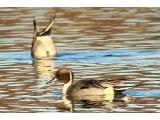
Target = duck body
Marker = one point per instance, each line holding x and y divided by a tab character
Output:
91	89
43	47
88	88
42	44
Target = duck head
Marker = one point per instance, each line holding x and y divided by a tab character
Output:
66	76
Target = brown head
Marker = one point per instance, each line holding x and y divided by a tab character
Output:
64	75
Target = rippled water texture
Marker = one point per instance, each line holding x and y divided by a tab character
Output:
95	43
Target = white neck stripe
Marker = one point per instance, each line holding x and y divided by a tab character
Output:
67	85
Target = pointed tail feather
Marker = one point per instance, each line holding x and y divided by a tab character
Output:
123	88
36	29
47	30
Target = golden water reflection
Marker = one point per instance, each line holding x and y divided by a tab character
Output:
95	43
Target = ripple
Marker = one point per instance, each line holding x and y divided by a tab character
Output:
144	93
95	43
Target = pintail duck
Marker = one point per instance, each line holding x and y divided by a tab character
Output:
42	44
89	87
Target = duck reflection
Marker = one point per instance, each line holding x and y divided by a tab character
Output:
66	105
44	70
89	102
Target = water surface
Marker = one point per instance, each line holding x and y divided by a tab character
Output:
95	43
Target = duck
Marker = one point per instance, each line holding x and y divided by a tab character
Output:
88	88
42	44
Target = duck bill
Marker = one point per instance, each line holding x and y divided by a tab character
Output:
47	30
54	78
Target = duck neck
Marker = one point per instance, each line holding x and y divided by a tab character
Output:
68	85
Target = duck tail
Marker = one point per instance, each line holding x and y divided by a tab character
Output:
139	84
36	28
47	30
122	89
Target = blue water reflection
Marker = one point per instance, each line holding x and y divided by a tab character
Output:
95	56
144	93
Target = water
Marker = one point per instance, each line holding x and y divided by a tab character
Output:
95	43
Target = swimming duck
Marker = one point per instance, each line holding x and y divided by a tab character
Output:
88	88
42	44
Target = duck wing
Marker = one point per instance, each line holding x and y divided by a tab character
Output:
84	84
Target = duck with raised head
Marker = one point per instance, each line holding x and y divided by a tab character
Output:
42	44
85	89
